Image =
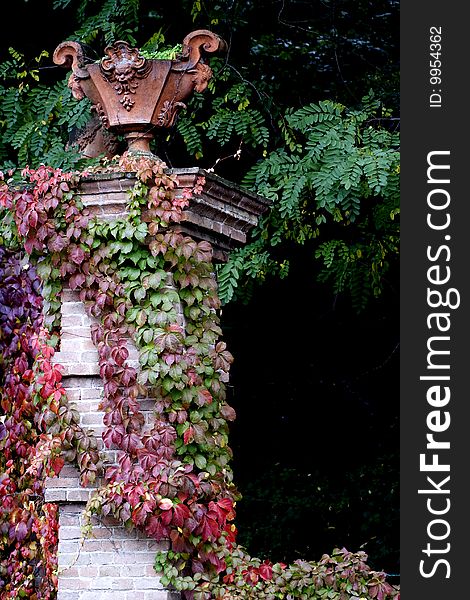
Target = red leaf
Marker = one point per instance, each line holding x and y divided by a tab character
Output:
120	355
57	243
204	397
228	412
181	513
76	254
226	504
156	529
208	529
134	494
76	281
188	435
33	219
266	570
56	464
166	517
19	532
231	533
131	442
140	513
178	543
165	504
29	245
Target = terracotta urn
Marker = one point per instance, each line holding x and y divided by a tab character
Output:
131	94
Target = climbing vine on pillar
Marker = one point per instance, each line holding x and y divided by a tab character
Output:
140	279
37	423
35	420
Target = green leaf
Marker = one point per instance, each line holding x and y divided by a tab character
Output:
200	461
140	293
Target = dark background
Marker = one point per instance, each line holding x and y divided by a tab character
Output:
315	386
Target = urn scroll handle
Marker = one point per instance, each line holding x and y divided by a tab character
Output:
193	44
70	54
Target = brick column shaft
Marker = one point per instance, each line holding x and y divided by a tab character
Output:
115	563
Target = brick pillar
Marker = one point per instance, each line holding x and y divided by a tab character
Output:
115	563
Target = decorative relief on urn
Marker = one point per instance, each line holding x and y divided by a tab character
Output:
99	110
169	112
123	68
133	95
201	77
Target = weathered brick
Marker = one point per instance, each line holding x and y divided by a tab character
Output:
105	216
147	558
69	471
66	595
119	533
113	545
113	209
74	307
72	357
65	357
92	418
73	394
92	545
136	545
73	583
109	571
84	558
98	430
105	558
61	482
69	296
149	570
123	583
154	546
57	495
85	406
93	594
134	570
90	393
77	345
149	583
81	369
89	571
79	495
68	532
71	321
89	356
147	405
66	559
69	546
101	533
135	596
70	511
160	595
103	583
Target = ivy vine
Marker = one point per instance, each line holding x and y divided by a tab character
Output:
144	281
36	425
